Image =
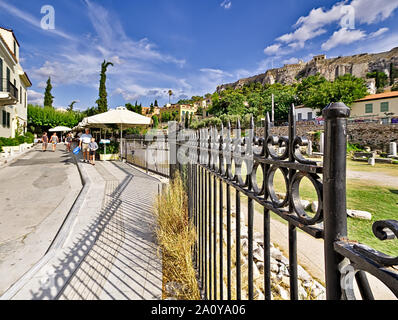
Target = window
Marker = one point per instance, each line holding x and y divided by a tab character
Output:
20	94
369	108
15	48
384	107
299	116
6	119
309	116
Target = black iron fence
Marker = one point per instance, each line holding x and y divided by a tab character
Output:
213	162
151	153
7	86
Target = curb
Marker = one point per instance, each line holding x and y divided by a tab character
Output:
59	239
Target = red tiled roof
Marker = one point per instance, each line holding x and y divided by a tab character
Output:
384	95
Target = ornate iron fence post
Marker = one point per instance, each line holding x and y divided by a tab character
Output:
173	148
334	192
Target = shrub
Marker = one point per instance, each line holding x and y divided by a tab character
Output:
176	237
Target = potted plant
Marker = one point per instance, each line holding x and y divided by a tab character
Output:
112	151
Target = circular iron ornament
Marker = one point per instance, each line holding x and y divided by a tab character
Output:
301	142
270	186
257	191
258	143
296	201
231	176
280	142
243	182
348	271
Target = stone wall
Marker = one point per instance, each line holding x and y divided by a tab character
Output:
374	135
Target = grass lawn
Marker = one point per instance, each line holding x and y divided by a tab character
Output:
382	202
388	169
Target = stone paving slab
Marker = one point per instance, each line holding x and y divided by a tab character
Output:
111	252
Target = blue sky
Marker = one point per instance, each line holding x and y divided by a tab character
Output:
184	45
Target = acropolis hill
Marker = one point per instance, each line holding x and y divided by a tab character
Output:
358	65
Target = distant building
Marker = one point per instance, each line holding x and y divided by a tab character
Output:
304	113
14	83
61	109
146	111
382	107
183	111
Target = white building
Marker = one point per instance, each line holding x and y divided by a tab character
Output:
14	83
305	114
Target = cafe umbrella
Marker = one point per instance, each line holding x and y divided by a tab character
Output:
119	116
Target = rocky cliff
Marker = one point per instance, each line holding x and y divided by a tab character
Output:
358	65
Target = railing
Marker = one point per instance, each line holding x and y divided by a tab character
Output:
215	162
149	154
7	86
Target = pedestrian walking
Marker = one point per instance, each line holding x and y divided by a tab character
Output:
93	147
54	141
44	141
85	140
69	140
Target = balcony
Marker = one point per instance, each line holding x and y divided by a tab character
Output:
8	93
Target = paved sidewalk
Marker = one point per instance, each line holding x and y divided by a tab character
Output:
110	252
36	192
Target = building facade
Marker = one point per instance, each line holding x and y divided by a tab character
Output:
382	107
181	110
14	84
304	113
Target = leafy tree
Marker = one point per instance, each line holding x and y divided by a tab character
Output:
381	78
70	107
43	118
48	97
156	103
166	117
152	109
155	120
395	87
232	103
102	102
393	73
347	89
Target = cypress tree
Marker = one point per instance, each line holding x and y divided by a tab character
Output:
102	102
48	97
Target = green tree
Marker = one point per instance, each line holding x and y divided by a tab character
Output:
155	120
156	103
232	103
166	117
152	109
380	77
347	89
48	97
70	107
102	102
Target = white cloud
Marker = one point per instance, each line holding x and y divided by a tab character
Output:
291	60
343	37
316	22
32	20
272	49
372	11
35	97
378	33
226	4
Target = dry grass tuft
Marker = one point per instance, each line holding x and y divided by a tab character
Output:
176	237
